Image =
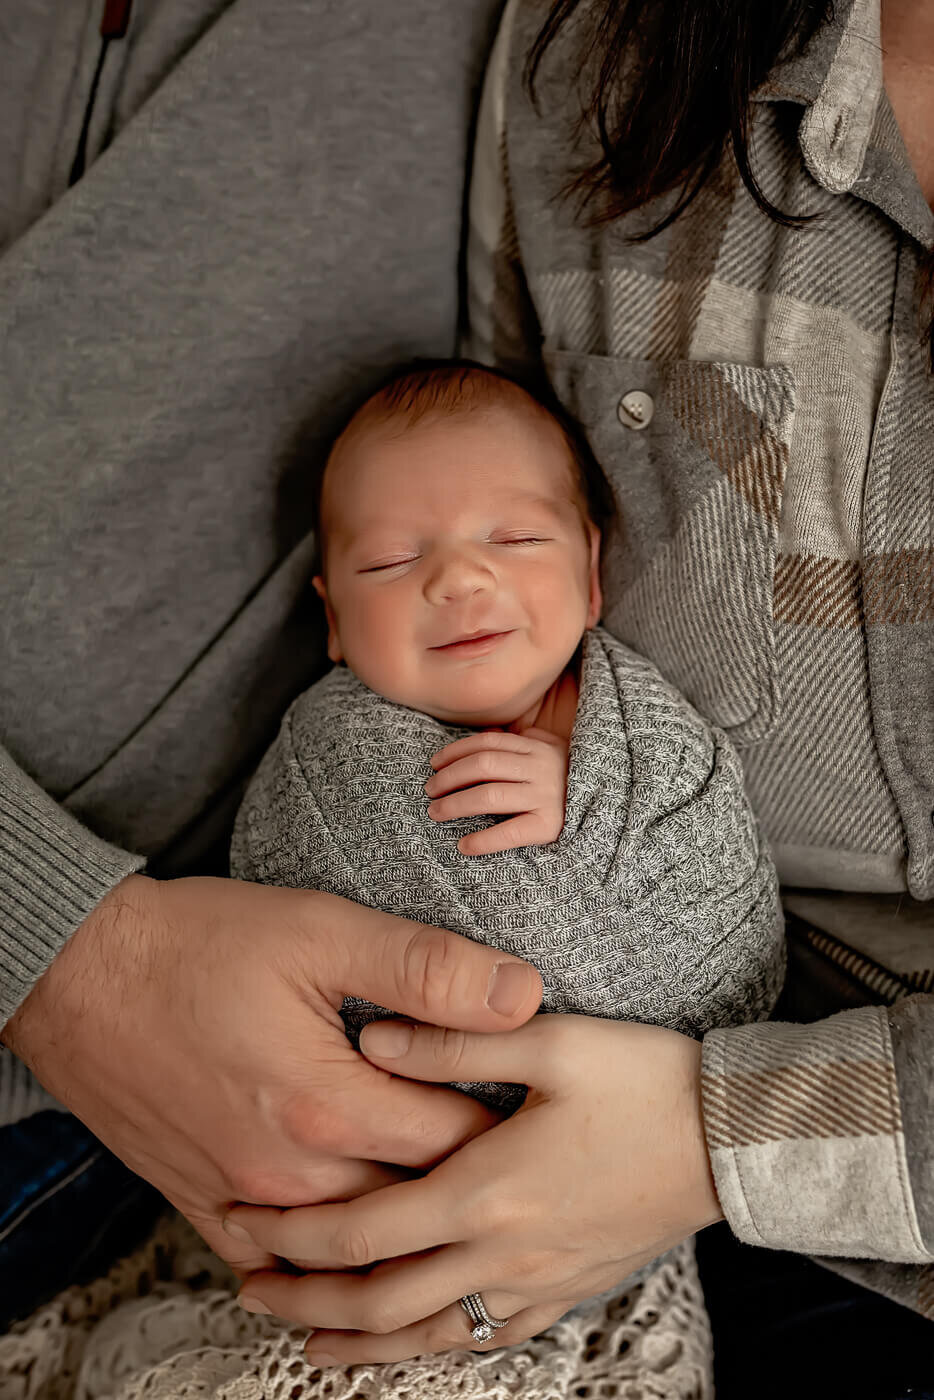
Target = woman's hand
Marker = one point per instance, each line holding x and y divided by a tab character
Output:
602	1168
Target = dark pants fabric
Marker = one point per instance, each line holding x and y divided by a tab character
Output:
787	1329
68	1210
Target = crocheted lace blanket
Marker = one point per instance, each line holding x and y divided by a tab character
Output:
164	1325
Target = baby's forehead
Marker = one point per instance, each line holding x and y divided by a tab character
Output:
507	447
506	406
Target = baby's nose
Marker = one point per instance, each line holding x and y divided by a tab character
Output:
457	576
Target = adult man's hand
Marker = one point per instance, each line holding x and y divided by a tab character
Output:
193	1025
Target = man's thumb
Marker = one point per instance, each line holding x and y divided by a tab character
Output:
427	973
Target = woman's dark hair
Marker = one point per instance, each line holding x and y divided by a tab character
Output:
698	63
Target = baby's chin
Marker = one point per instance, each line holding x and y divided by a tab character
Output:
485	712
485	719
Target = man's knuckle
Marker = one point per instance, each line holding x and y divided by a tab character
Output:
238	1183
429	966
325	1180
353	1247
311	1123
255	1185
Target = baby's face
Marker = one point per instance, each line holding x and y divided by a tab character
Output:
460	570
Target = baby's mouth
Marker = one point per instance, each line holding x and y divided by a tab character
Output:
472	643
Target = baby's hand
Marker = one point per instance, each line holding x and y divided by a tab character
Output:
495	772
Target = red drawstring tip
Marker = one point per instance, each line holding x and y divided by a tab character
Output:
116	18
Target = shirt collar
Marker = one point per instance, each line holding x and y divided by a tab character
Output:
838	77
848	136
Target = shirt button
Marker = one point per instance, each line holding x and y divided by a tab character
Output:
635	409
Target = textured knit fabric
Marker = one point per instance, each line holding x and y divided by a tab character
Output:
53	872
270	217
777	507
657	903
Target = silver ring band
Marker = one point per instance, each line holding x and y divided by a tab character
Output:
484	1325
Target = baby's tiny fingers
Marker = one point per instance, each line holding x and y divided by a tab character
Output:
484	800
473	743
483	767
524	830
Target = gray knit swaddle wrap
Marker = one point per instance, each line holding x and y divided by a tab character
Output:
657	903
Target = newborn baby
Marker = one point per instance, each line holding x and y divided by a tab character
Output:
483	756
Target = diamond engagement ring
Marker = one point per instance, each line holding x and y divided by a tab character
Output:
484	1326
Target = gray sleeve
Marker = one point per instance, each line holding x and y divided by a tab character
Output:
53	872
911	1023
501	325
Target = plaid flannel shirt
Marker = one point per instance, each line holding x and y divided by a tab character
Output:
761	400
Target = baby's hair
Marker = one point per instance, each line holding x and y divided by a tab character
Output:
448	387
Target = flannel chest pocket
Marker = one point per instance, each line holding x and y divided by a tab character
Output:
696	453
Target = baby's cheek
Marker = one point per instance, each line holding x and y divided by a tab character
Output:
561	602
380	653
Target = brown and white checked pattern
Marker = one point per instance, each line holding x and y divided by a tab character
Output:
793	1086
804	1115
704	568
708	402
797	1112
852	1099
717	604
848	832
815	591
698	583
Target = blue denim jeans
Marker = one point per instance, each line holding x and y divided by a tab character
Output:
68	1210
787	1329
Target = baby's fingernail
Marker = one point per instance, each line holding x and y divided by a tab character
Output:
429	785
386	1042
237	1232
253	1305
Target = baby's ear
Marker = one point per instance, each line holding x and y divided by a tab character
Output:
595	607
334	641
